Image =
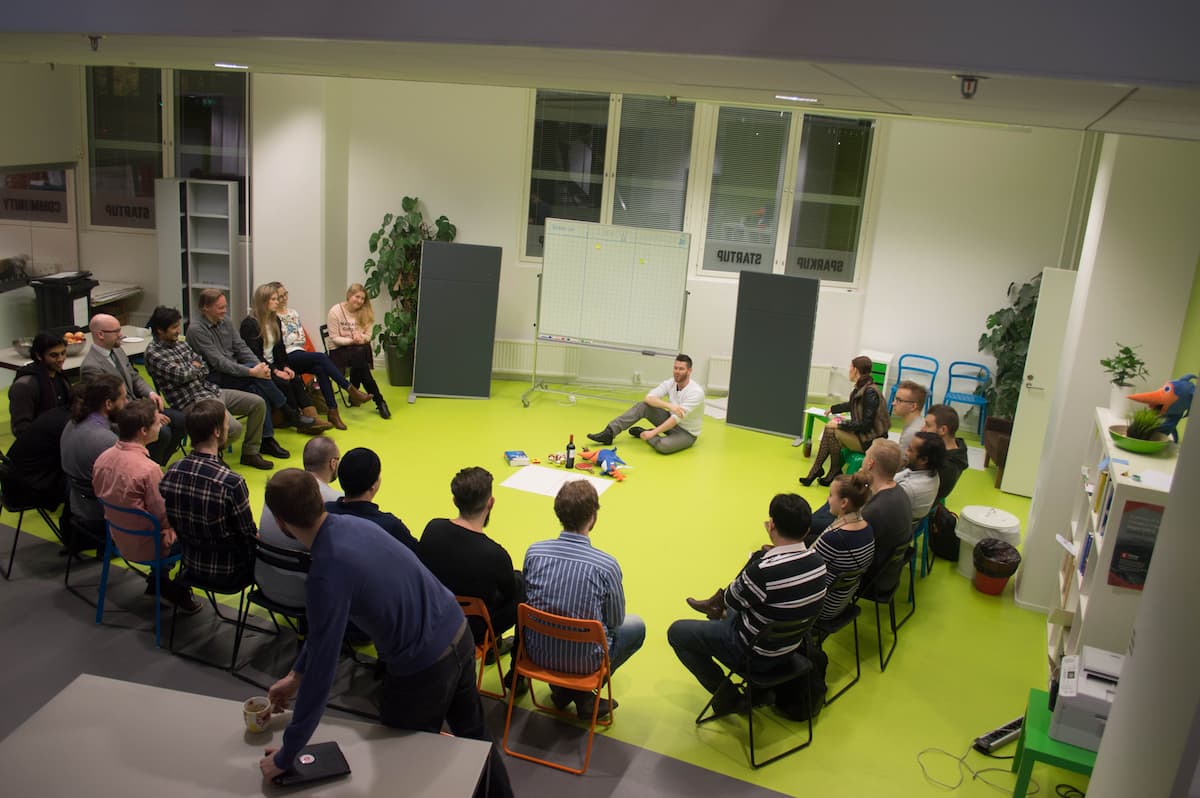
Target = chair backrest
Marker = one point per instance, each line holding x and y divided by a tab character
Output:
325	338
154	530
974	373
294	560
915	367
887	579
846	581
780	634
473	606
574	630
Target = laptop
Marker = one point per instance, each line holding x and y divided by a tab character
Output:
316	762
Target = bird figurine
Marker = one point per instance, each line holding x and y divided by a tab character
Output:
1173	400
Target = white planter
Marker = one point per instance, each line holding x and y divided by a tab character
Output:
1118	400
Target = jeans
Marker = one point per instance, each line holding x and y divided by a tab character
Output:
445	693
698	643
675	439
628	639
320	366
264	388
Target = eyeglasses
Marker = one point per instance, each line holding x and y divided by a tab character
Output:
906	401
110	332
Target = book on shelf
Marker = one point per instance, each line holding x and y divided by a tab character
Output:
1083	555
1101	483
1108	499
1134	544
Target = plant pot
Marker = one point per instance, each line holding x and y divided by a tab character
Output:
399	367
1118	400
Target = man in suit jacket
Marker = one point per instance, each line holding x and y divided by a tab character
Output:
106	357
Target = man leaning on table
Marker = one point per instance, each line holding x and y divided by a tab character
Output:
360	575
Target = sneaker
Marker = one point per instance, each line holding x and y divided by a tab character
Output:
271	448
637	431
728	699
584	707
181	597
562	698
256	461
602	437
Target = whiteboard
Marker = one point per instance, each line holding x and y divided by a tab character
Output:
615	287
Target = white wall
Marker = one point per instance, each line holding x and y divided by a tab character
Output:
42	114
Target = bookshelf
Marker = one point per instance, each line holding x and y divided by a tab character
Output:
1118	501
198	243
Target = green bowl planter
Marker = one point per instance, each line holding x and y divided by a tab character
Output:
1152	446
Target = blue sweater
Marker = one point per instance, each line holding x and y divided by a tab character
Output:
361	573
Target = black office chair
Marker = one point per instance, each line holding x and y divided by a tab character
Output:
325	345
762	673
882	590
17	498
84	535
290	560
847	617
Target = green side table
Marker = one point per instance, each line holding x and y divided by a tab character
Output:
1036	745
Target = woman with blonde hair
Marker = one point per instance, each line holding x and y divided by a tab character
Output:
262	333
316	363
349	324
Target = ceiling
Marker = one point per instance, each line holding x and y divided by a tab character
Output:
1109	107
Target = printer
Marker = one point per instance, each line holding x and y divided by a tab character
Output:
1087	684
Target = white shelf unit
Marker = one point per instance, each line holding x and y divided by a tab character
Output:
198	243
1118	503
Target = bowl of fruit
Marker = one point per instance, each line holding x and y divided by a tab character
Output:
75	341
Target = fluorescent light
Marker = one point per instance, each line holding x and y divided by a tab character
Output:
221	65
795	99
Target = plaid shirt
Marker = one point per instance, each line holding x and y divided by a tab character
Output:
209	509
175	374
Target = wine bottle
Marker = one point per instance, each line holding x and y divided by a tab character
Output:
570	461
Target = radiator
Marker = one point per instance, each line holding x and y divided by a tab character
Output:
720	367
511	357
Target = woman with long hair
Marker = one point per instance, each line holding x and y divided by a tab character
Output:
39	385
869	419
262	333
295	341
349	324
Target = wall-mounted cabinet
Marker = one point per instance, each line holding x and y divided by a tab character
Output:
198	243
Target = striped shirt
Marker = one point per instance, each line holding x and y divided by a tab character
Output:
843	551
568	576
787	583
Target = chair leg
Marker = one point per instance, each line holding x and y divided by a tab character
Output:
754	763
12	554
857	669
108	554
895	633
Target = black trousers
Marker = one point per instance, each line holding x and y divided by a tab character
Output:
445	693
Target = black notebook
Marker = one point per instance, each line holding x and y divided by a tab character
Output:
315	762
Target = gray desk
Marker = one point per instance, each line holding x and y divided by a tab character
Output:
103	737
10	360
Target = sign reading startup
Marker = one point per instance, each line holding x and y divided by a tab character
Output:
122	210
728	256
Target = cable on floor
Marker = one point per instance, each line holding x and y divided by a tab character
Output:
976	775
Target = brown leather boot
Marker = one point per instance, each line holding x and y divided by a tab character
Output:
713	606
318	426
335	418
358	396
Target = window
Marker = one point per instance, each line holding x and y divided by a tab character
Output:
653	161
124	144
747	186
570	133
210	129
831	184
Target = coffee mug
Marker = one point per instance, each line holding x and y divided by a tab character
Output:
256	713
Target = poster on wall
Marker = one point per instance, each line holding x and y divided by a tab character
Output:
1133	545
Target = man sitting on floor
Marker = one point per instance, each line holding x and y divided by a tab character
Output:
459	552
784	581
943	421
209	505
125	476
568	576
920	480
675	407
359	472
909	406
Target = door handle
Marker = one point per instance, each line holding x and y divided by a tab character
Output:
1029	383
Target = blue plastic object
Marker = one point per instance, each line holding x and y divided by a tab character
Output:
158	564
915	364
977	375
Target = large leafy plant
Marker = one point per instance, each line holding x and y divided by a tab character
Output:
395	268
1007	340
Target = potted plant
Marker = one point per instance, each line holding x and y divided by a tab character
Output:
1142	434
1124	367
1007	340
395	268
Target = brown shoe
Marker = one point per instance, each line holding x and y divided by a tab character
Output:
317	426
335	418
358	396
256	461
713	606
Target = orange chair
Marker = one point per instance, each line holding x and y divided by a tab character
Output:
475	606
573	630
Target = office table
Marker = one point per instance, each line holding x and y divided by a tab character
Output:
10	360
103	737
1036	745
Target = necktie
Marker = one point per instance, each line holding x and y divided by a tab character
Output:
124	375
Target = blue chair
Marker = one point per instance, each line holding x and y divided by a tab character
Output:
161	561
979	376
915	365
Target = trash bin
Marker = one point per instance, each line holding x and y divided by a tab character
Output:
64	300
995	561
976	522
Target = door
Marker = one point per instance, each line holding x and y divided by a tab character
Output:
1042	367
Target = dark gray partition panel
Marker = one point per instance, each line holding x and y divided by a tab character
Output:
456	320
772	352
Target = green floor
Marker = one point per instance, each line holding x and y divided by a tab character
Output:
682	526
